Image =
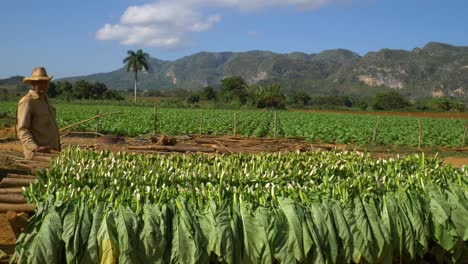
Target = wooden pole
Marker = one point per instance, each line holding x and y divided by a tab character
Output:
10	190
464	135
87	120
235	123
155	121
14	198
16	182
276	124
174	148
201	121
375	130
21	176
419	134
97	123
4	207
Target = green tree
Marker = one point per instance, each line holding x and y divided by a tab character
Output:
232	87
389	101
299	97
193	99
136	61
64	90
271	97
208	93
52	92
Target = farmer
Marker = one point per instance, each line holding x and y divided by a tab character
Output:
36	125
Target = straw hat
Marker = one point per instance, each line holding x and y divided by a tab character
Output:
38	74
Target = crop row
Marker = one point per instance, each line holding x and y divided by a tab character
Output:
317	127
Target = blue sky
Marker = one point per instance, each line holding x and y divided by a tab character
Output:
72	38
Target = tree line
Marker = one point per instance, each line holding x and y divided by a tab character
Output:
235	90
82	89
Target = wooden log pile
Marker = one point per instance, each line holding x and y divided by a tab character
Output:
228	145
233	144
11	193
13	185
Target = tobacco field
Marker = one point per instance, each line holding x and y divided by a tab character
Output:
315	127
314	207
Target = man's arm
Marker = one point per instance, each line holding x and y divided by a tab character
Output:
24	126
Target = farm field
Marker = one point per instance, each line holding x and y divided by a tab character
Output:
341	128
302	206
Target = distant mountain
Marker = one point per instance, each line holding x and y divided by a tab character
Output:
11	81
437	69
14	83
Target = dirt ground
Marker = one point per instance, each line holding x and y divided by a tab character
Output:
7	237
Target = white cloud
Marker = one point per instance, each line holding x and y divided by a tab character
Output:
166	23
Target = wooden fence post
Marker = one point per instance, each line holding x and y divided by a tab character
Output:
419	134
375	130
97	122
464	135
235	123
276	124
155	110
201	122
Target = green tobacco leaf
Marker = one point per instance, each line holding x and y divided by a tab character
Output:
441	214
317	228
418	215
360	230
47	245
345	241
216	225
155	233
255	247
459	216
107	240
188	243
127	224
91	252
330	237
379	232
76	228
299	240
391	221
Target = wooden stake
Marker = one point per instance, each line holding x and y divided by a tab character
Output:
464	135
97	122
201	122
419	134
276	124
375	130
235	123
155	121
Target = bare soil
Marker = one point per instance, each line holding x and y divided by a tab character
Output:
7	237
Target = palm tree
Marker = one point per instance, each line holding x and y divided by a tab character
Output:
136	61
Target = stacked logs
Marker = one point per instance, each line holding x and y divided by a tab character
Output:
12	186
11	193
229	145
